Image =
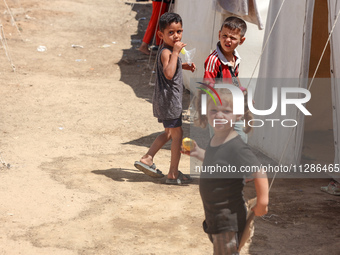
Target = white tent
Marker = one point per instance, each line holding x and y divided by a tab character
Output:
297	31
294	49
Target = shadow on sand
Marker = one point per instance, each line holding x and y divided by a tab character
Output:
132	175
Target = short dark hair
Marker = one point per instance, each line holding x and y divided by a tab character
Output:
235	23
167	18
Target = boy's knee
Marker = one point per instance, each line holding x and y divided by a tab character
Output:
178	131
167	132
174	133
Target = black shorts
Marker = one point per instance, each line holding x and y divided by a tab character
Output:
171	123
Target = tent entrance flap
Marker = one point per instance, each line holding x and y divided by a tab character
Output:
318	146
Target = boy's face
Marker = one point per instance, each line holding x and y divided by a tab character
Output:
220	117
230	39
171	34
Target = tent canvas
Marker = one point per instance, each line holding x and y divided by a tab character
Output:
288	55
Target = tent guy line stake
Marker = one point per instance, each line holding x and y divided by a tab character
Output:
265	45
324	49
3	163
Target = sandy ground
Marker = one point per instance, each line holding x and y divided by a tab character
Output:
72	123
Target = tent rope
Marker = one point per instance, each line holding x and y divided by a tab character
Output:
5	46
13	20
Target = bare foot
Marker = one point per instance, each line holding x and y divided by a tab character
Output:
144	48
146	159
174	175
179	180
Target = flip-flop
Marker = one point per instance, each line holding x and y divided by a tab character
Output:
333	188
149	170
181	179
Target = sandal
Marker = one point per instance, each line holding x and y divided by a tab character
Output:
149	170
181	179
333	188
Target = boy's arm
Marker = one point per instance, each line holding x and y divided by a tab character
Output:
169	60
210	67
210	71
262	192
191	67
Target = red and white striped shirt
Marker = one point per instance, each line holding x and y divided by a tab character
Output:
216	66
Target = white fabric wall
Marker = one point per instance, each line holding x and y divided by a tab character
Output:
333	9
286	56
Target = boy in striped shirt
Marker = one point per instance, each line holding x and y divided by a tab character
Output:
222	64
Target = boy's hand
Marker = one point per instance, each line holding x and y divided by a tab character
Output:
178	47
191	67
260	210
194	151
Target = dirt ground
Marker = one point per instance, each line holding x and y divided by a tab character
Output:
74	119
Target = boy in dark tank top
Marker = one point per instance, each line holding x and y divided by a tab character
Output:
167	99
